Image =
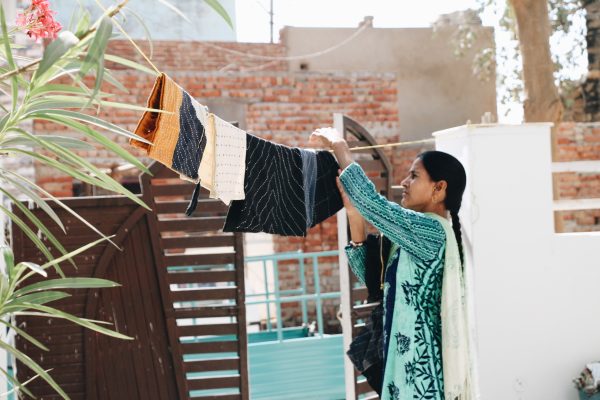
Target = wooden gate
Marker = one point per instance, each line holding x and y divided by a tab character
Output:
181	299
377	166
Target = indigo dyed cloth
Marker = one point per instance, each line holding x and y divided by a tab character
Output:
309	170
274	190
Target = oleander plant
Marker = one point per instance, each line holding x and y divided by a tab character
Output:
62	87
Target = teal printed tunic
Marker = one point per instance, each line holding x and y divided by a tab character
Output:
413	368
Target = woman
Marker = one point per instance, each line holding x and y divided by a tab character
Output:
417	364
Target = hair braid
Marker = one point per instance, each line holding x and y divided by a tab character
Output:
457	232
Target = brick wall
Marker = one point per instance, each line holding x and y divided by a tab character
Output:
578	142
195	57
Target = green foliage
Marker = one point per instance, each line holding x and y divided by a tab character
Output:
58	91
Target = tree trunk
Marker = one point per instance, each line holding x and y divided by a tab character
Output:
542	102
591	88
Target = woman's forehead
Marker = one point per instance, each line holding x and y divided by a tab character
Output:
417	165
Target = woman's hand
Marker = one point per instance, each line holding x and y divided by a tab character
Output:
330	138
325	138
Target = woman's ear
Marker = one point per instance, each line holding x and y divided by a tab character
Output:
440	189
441	186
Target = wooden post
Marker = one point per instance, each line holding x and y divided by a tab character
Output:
345	289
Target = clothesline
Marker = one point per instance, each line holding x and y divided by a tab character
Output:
397	144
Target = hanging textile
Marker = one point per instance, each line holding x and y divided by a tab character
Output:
177	134
328	200
309	171
230	162
274	189
206	171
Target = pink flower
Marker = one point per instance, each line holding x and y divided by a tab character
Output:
38	20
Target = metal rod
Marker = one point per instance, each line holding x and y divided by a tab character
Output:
303	287
267	295
318	296
277	304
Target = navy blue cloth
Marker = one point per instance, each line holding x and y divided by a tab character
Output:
328	200
191	141
309	171
274	188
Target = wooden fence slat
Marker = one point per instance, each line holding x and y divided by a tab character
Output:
208	329
214	382
203	224
204	294
212	365
197	241
201	277
206	312
210	347
177	260
179	206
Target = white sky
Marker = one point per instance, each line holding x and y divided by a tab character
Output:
253	18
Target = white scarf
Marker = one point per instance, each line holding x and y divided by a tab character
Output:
458	329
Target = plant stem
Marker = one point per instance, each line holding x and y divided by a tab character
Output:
25	67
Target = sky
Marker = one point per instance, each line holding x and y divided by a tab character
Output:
253	15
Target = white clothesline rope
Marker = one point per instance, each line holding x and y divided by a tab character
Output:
289	58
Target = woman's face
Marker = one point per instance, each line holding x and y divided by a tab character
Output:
420	192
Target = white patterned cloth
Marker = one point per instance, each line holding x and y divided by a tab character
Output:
458	329
230	161
207	165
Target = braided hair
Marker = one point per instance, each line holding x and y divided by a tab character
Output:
443	167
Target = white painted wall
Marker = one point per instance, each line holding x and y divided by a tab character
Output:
535	291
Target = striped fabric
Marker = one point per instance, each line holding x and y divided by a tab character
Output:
309	170
328	200
177	134
274	189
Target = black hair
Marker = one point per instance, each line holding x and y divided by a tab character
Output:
443	167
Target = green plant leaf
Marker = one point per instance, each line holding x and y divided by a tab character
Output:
31	235
84	23
75	252
61	204
98	137
64	141
175	9
130	64
28	191
17	386
220	10
115	82
9	59
55	50
55	313
66	283
106	181
59	88
36	221
25	359
25	335
36	298
58	260
89	119
97	47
